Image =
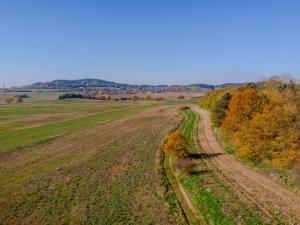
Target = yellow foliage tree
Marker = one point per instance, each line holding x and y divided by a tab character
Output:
262	121
273	134
243	104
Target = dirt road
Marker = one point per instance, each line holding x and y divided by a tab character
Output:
279	205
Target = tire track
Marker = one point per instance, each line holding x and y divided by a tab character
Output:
269	197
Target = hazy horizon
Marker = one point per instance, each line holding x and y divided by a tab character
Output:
155	42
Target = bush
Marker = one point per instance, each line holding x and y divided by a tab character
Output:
101	97
220	109
180	97
70	95
147	97
9	100
260	120
135	98
19	99
176	145
159	98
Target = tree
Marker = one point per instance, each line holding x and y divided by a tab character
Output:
273	134
135	98
261	120
147	97
19	99
160	98
220	109
9	100
243	104
70	95
176	145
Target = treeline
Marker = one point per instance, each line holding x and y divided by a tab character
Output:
94	96
261	120
16	99
70	95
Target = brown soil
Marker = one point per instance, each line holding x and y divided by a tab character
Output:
274	201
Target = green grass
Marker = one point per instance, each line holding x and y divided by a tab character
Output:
205	201
33	95
13	139
187	127
181	101
28	110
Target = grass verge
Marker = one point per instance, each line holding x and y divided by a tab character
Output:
213	199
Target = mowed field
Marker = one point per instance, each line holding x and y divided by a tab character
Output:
83	162
27	124
32	95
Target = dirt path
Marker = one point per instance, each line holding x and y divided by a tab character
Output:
273	200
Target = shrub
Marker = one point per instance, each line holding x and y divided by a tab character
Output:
147	97
159	98
19	99
135	98
220	109
261	120
9	100
70	95
176	145
101	97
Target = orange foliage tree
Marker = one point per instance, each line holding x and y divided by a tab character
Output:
9	100
176	145
19	99
262	121
273	134
244	103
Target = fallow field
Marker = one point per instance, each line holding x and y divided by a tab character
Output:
84	162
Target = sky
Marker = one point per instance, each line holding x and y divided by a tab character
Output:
148	42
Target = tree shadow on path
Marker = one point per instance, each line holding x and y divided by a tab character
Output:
203	155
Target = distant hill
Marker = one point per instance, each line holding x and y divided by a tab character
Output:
75	84
98	83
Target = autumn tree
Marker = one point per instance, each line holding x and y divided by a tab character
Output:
273	134
9	100
176	145
220	109
147	97
243	104
135	98
19	99
262	120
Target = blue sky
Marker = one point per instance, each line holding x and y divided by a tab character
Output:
152	42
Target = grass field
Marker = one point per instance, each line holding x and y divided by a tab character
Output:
32	123
102	171
33	95
94	162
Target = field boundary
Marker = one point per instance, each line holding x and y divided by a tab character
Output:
188	211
